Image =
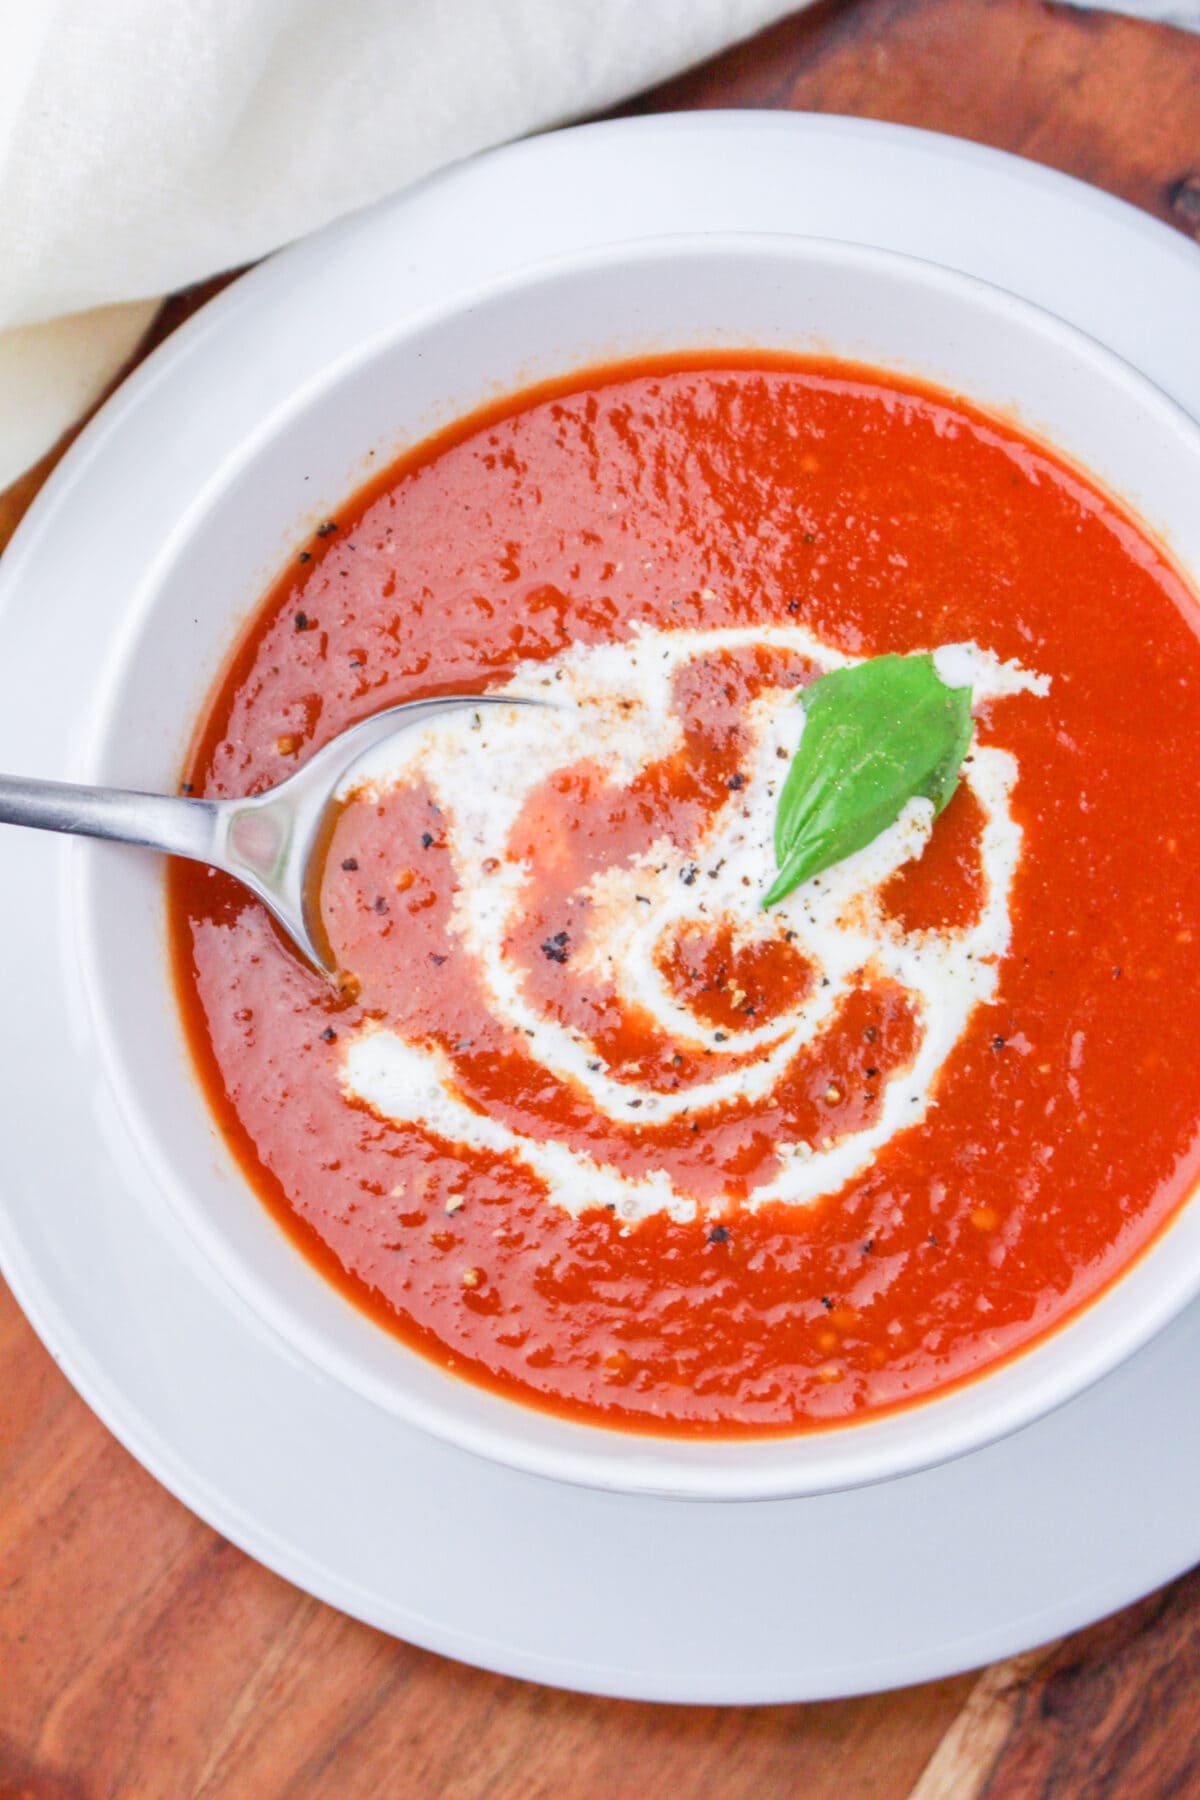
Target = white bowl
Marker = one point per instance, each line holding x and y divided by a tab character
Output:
713	292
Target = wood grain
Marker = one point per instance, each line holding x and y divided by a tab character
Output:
142	1657
1112	1713
1065	87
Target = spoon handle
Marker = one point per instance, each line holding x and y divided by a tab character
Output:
179	826
269	841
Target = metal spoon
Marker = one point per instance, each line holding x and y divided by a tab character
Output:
270	842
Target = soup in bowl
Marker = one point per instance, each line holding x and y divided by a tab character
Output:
628	1148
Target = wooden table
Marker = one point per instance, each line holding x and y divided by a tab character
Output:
143	1656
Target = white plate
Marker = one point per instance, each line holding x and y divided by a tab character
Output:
646	1598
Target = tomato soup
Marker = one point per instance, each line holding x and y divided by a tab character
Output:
584	1122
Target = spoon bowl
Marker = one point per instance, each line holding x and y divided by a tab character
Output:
272	842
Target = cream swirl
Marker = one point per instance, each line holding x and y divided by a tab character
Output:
616	712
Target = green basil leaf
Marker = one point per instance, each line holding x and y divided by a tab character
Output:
876	736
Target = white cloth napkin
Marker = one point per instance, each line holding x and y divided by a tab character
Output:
145	144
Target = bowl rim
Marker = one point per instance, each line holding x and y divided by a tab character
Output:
713	1474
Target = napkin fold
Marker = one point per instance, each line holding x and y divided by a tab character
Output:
145	144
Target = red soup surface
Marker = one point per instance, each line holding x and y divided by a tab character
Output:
585	1123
